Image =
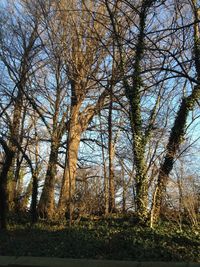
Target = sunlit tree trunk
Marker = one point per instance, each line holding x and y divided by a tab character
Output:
46	206
69	178
78	123
111	153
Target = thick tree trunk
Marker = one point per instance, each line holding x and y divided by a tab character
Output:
46	205
77	125
34	214
3	189
14	137
7	181
69	178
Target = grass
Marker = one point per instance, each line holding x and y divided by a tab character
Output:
117	239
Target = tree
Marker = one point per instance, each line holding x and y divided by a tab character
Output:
85	56
19	66
178	130
133	94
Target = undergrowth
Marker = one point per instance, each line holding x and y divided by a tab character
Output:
113	238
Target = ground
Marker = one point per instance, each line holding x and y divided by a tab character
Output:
113	238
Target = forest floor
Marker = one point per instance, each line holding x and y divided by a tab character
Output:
117	239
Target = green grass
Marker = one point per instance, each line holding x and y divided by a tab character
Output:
104	239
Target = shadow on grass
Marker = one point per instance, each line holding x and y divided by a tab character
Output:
102	240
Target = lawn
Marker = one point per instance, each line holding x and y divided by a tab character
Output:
117	239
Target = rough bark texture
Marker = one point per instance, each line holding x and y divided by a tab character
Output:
46	205
14	137
34	214
73	142
133	95
3	188
8	182
77	125
132	92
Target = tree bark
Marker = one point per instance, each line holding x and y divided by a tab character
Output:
77	125
69	177
3	189
34	214
133	95
46	204
175	140
111	153
14	137
105	176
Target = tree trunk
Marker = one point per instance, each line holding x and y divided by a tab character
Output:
27	195
46	205
111	153
3	189
105	176
124	188
14	137
78	123
69	178
111	181
173	146
178	130
34	214
133	94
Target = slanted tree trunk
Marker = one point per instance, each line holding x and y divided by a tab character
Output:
46	206
175	140
178	130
